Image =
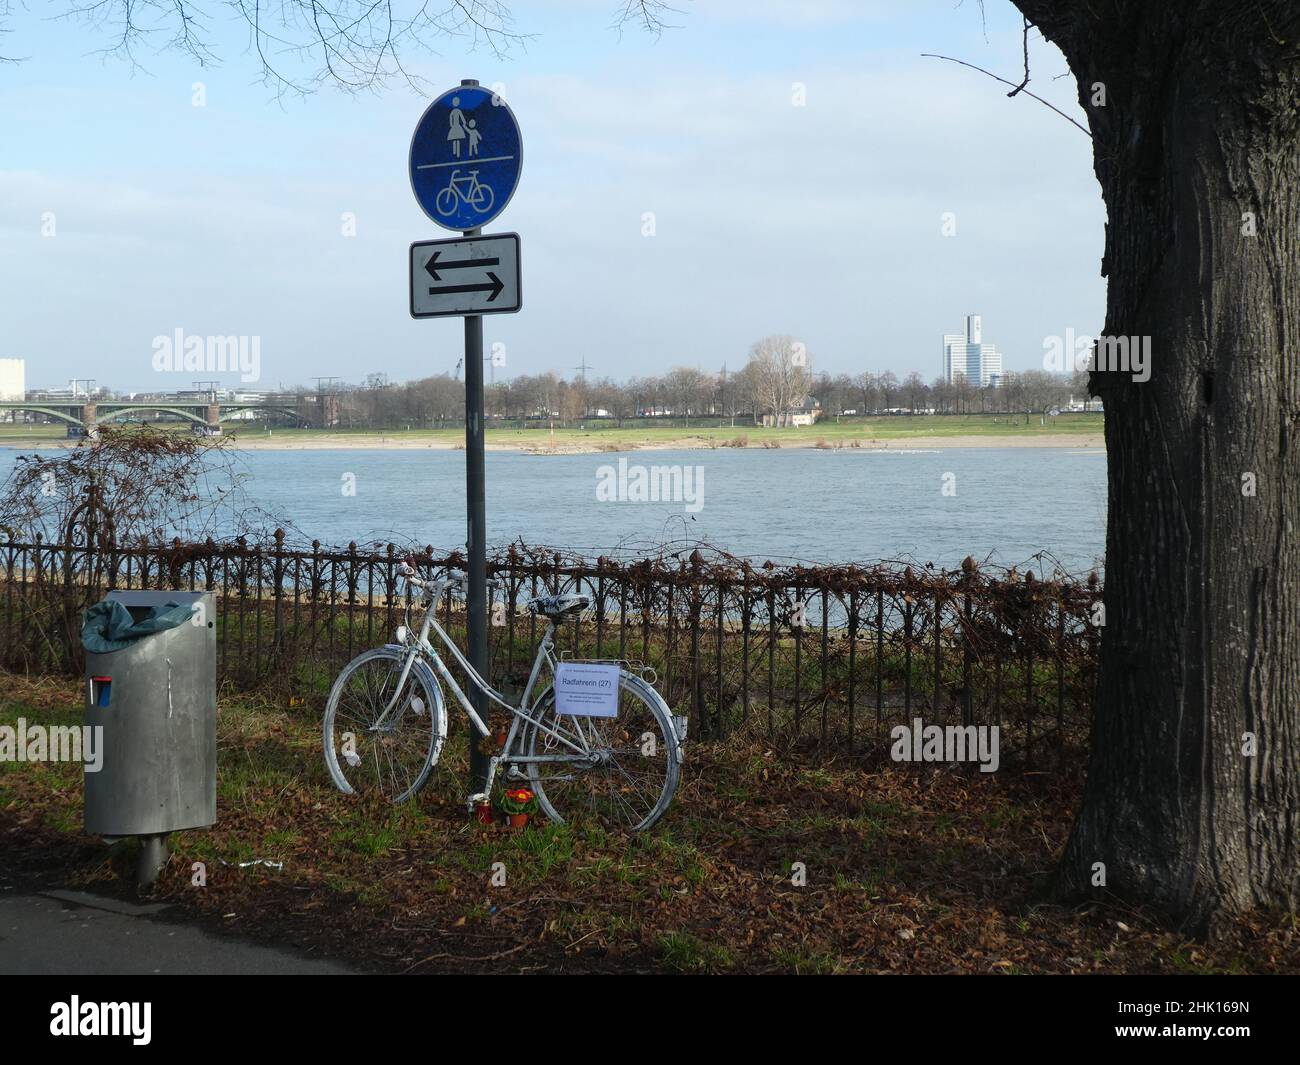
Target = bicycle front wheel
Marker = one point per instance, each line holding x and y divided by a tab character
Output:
378	740
620	772
445	201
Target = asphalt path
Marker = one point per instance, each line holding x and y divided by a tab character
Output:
72	933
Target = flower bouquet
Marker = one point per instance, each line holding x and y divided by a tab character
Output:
517	804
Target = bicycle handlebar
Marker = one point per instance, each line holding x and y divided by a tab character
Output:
409	572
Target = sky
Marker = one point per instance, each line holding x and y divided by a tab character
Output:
795	162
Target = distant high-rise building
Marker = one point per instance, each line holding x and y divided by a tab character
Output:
967	357
13	379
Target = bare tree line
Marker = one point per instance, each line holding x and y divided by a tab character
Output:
775	381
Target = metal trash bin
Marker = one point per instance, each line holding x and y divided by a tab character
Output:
155	698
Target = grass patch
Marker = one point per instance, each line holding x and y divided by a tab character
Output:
685	953
907	869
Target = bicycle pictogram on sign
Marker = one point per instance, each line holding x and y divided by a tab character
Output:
465	158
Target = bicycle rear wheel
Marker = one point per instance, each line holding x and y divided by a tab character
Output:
618	771
481	199
368	751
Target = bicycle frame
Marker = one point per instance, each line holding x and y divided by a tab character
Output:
423	647
471	180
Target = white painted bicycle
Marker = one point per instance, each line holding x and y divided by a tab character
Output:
386	723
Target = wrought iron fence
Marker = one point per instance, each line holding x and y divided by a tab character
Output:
831	655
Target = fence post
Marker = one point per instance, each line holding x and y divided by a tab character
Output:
908	607
797	633
512	591
853	649
744	643
968	577
719	719
258	562
668	643
880	655
825	663
600	606
697	695
1060	663
1029	630
939	593
38	598
390	586
277	640
7	625
352	578
317	580
773	634
622	615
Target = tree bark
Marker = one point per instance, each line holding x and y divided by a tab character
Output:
1197	149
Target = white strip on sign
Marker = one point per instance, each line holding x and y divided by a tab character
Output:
586	689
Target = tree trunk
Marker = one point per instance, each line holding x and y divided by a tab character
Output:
1197	150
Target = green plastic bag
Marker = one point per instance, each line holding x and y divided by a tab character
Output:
108	626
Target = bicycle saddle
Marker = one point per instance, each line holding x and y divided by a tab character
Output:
558	606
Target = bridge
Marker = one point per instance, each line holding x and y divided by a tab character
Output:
86	413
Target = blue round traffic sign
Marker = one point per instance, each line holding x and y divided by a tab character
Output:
465	158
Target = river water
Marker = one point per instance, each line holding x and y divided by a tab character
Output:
1003	504
1006	504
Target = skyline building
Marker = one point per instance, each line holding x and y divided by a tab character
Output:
967	356
13	379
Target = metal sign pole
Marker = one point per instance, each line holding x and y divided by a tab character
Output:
464	163
476	541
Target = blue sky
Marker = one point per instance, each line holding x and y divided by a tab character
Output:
822	221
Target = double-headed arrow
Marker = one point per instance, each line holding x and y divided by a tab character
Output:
433	266
495	287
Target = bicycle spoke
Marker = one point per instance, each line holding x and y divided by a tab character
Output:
634	817
395	749
631	780
626	781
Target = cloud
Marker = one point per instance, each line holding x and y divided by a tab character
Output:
821	219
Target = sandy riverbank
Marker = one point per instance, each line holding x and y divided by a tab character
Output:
566	445
1077	441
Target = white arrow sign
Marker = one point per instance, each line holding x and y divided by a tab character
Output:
474	275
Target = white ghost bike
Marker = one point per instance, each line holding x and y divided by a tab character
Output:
385	725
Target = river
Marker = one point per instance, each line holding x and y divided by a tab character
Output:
1004	504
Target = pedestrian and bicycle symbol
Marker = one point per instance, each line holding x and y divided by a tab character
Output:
465	158
461	130
466	190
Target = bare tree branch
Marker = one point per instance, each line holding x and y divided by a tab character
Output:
650	15
6	8
1026	81
962	62
301	44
